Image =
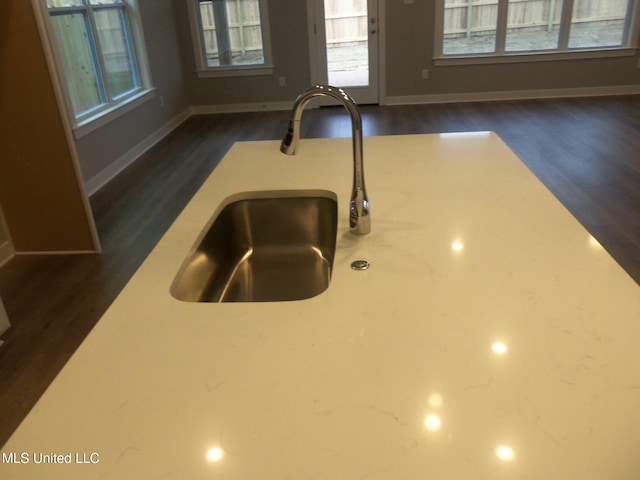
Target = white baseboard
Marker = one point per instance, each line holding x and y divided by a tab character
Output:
56	252
241	107
4	320
102	178
512	95
6	253
99	180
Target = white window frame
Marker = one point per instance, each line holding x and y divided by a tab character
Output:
84	124
563	52
203	70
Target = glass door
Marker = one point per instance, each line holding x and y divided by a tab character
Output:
345	46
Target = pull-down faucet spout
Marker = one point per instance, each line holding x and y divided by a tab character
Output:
359	220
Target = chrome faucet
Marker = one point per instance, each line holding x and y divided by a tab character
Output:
359	220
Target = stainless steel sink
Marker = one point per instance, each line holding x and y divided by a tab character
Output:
263	247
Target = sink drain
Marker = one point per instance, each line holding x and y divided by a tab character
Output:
360	265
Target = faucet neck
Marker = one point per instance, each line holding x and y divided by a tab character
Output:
359	206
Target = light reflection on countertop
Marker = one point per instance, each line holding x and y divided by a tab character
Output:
432	422
492	338
214	454
505	453
499	348
595	243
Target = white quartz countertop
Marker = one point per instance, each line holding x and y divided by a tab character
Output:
491	338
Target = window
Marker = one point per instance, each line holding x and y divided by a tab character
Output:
96	54
231	37
492	28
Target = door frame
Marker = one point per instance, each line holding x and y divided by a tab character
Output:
317	49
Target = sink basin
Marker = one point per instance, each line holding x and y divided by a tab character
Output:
263	247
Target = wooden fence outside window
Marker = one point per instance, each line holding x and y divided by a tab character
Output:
469	17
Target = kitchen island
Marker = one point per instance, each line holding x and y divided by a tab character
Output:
491	338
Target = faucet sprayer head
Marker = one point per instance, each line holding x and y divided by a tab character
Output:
288	145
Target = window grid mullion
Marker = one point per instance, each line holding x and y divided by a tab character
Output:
103	84
201	34
628	24
129	44
501	27
133	58
565	25
630	31
94	96
253	61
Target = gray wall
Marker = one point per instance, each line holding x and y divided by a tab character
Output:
290	48
410	46
100	148
409	38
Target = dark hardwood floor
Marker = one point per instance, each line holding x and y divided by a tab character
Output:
587	152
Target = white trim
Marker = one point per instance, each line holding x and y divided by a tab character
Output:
65	116
131	156
139	44
55	252
81	126
91	124
241	107
634	25
382	52
6	253
438	29
513	95
6	248
52	54
236	71
4	320
203	70
115	167
563	52
538	56
367	94
314	55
